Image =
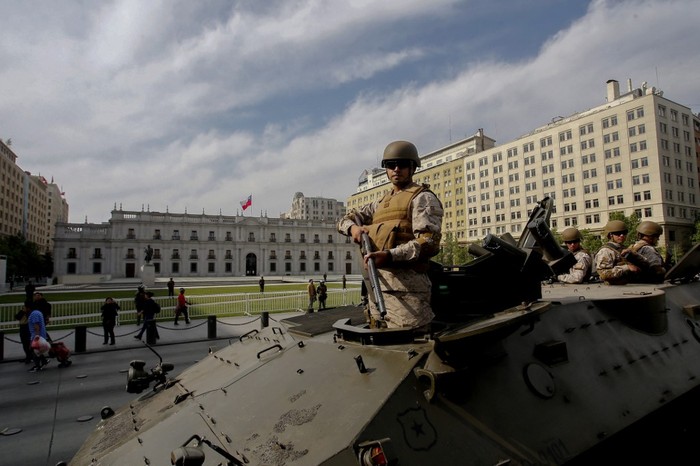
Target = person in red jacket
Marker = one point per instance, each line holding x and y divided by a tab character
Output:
181	307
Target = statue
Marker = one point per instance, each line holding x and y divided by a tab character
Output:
149	254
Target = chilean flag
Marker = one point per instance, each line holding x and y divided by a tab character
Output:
247	203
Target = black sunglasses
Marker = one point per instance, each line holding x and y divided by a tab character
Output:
572	242
394	164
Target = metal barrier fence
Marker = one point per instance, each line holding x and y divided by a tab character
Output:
71	313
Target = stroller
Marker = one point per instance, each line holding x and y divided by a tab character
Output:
61	352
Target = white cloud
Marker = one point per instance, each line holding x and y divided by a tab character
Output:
200	104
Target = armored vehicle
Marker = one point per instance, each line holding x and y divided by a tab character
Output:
512	372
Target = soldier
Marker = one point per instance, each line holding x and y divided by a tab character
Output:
581	271
311	290
322	292
644	255
610	265
404	229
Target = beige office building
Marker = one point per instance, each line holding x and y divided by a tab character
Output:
314	208
29	205
637	154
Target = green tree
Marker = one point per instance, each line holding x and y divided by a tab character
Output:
451	252
24	259
695	235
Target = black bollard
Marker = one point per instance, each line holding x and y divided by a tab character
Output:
211	327
80	338
2	346
264	319
151	332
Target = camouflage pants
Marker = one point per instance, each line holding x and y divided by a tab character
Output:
406	296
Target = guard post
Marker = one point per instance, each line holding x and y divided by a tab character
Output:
211	327
80	338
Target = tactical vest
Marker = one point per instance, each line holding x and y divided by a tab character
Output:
619	260
391	222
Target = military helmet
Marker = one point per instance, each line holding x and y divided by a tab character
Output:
571	234
401	150
613	226
650	228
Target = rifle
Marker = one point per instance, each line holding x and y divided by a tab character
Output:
372	268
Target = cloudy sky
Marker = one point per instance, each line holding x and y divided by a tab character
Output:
197	104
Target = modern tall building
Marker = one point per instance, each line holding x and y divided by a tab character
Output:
193	245
29	205
315	208
635	154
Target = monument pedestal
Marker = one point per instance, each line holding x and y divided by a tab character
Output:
148	275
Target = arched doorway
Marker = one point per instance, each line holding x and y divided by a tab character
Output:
251	265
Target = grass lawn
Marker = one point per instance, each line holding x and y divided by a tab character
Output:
84	295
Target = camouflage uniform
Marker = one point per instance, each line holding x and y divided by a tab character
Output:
404	283
611	266
581	271
651	266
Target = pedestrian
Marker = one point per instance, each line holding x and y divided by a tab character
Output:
581	271
325	277
261	283
311	289
181	307
149	312
171	287
404	227
139	300
24	333
110	311
29	289
321	291
43	305
39	338
611	266
344	281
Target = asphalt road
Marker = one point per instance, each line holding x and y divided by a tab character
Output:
45	417
50	407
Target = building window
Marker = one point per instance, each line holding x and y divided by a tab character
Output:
229	267
175	267
193	267
97	267
130	234
211	236
176	234
211	267
70	268
193	236
156	234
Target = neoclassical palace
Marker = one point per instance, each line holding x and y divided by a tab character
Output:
192	245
